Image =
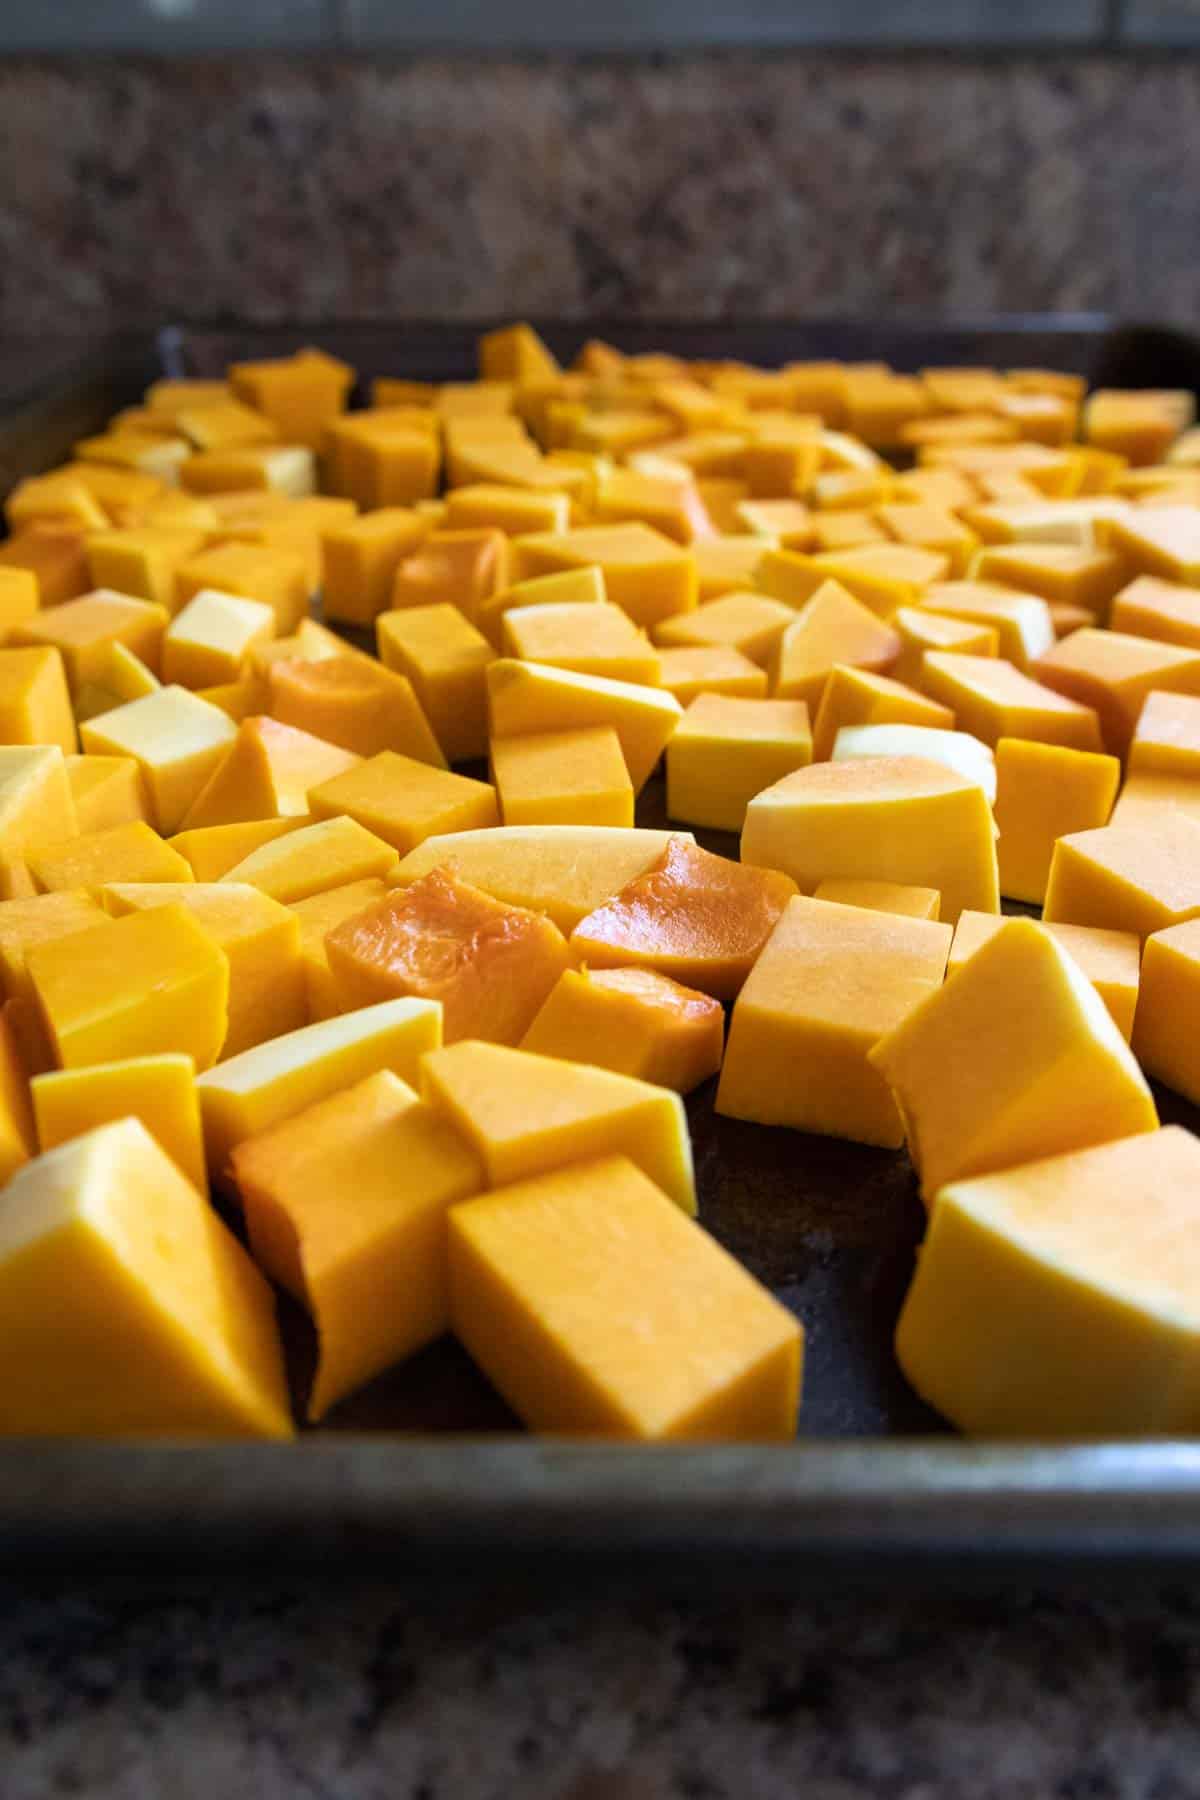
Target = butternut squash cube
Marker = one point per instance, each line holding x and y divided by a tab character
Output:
1143	797
929	527
54	554
491	965
1022	623
958	750
844	527
133	987
575	587
299	394
698	669
223	424
1044	792
633	1021
860	697
1016	1058
524	698
403	801
1036	1313
920	630
1164	1036
266	775
591	639
564	871
176	739
18	1137
891	818
698	918
212	850
209	639
354	702
318	916
158	1090
256	1091
645	574
1141	424
1110	959
1113	673
1166	738
749	623
457	568
786	524
277	578
991	699
557	1285
105	790
380	460
129	852
1063	574
35	702
527	1115
881	577
346	1206
58	500
285	469
726	565
35	798
1165	610
359	560
831	627
1139	877
727	750
563	778
488	506
886	897
445	658
84	632
325	855
19	599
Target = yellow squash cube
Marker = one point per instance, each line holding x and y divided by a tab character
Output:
277	578
1015	1058
1157	540
992	698
563	778
920	630
106	790
158	1090
727	750
633	1021
445	658
1111	960
84	631
698	669
887	897
319	915
20	598
212	850
266	774
749	623
1164	1033
1166	738
487	506
176	739
726	565
854	696
403	801
359	560
36	801
129	852
143	560
574	587
524	698
881	577
1143	798
209	639
1062	574
223	424
597	1309
325	855
1140	877
1113	673
352	701
645	574
170	1329
590	639
24	924
1044	792
299	394
380	461
831	627
35	701
1022	623
930	527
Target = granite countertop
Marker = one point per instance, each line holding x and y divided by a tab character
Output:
298	1687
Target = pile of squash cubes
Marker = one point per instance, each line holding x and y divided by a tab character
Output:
346	931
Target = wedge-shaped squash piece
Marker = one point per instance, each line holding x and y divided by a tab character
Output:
563	778
747	622
1017	1057
18	1137
920	630
645	574
1140	877
526	1115
261	938
318	915
559	1284
1166	610
212	850
176	739
445	658
130	852
831	627
894	818
158	1090
133	987
881	577
209	640
35	703
258	1090
354	702
886	897
958	750
490	965
710	669
1044	792
565	871
267	774
1113	673
860	697
1036	1312
404	801
728	749
991	699
1164	1035
633	1021
325	855
170	1330
580	587
1166	739
346	1206
698	918
1022	623
36	803
528	697
1110	959
830	982
84	631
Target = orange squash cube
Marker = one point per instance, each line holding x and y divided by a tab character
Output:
831	627
1113	672
445	658
354	702
992	699
634	1021
463	568
404	801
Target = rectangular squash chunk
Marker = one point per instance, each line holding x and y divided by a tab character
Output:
645	574
35	704
445	658
633	1021
1164	1032
136	986
728	749
325	855
266	774
1044	792
747	622
1166	738
1111	960
158	1090
130	852
177	740
563	778
318	916
346	1206
886	897
525	698
830	627
528	1114
36	804
107	790
359	561
598	1309
830	982
1015	1058
212	850
170	1330
861	697
253	1092
404	801
1113	673
1022	623
1137	877
1061	1299
992	698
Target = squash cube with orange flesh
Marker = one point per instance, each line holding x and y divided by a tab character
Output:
930	527
56	558
634	1021
992	698
490	965
1166	738
404	801
1152	608
210	639
1044	792
158	1090
359	560
106	790
1113	673
1110	959
266	774
318	915
354	702
36	802
463	568
525	698
645	573
861	697
830	982
697	669
324	855
128	852
1138	877
1063	574
299	394
698	918
563	778
831	627
35	702
279	578
445	658
1164	1034
1140	424
746	622
19	600
590	639
884	896
1022	622
18	1136
881	577
920	630
578	587
177	740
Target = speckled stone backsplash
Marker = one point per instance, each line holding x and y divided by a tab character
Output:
689	186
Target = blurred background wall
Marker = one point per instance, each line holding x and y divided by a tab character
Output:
322	159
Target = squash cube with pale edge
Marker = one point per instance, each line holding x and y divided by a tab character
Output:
318	916
728	749
645	574
1044	792
860	697
886	897
304	862
1139	877
527	1115
24	924
1143	799
958	750
633	1021
176	739
209	639
920	630
749	623
893	818
528	697
267	774
36	803
1060	1299
1111	960
992	698
1151	608
1063	574
830	982
490	965
354	702
562	778
278	578
130	852
597	1309
1113	673
133	987
564	871
158	1090
710	669
1166	738
212	850
267	994
578	587
831	628
1164	1032
346	1206
404	801
142	560
445	659
1022	623
170	1330
35	702
84	632
1016	1058
592	639
1158	540
698	918
258	1090
516	511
